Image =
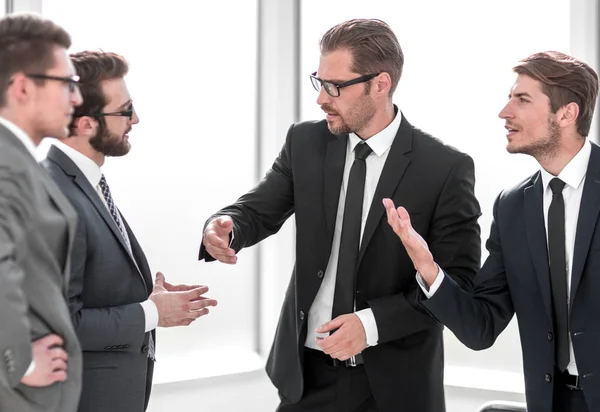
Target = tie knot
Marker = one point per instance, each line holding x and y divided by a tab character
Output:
362	150
557	186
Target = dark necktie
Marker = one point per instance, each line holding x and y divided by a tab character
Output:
558	272
345	282
113	212
112	208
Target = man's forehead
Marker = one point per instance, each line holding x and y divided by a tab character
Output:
526	84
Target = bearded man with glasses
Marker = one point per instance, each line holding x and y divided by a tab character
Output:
40	356
113	304
351	336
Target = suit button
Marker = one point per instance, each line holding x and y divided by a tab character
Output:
301	315
548	378
320	274
145	349
550	337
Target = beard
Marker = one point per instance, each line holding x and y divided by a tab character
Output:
109	144
356	119
544	147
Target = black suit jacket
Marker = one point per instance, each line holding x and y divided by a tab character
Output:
105	289
435	183
516	278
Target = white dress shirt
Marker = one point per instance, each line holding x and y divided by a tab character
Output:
321	309
93	174
573	174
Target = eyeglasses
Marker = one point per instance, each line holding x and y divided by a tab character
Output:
71	81
124	113
333	89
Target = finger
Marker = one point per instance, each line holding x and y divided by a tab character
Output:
330	344
198	313
201	304
58	365
192	294
216	240
225	222
331	325
392	215
51	340
58	376
181	288
58	353
160	279
213	303
231	260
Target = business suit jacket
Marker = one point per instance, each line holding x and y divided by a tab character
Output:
37	228
104	294
435	183
516	278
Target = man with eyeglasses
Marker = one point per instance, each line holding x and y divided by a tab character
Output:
40	356
113	304
351	336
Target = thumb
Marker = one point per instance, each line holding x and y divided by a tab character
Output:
160	279
404	217
225	223
331	325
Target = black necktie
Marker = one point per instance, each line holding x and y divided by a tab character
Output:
343	301
558	272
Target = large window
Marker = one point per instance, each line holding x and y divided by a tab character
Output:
457	75
193	81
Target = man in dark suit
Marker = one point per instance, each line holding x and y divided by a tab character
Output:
40	358
350	337
112	302
544	242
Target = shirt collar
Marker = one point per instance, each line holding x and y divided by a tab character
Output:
88	167
574	172
381	141
20	134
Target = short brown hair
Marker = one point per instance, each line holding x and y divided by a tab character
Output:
27	44
564	80
94	67
373	44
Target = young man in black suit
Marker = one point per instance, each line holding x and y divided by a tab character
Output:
544	243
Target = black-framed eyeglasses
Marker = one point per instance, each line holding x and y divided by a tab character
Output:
333	89
71	81
124	113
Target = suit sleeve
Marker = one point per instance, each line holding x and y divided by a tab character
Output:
15	335
454	240
263	210
477	318
101	329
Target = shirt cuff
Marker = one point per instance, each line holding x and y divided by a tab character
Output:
232	237
151	315
368	321
429	292
30	369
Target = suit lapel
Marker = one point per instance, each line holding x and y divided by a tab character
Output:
335	161
392	172
536	238
139	257
67	165
588	216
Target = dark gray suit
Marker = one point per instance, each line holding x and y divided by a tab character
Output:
37	228
104	294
